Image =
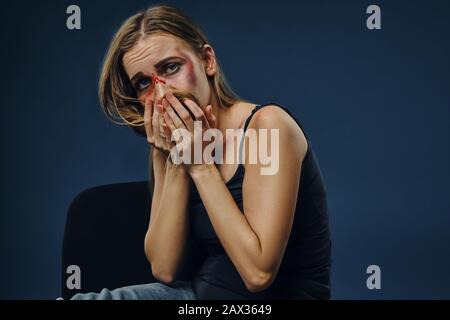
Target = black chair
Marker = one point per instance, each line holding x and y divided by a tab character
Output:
104	237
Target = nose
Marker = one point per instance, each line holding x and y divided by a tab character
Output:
160	89
159	92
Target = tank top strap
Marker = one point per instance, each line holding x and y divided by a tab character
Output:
247	121
293	117
259	106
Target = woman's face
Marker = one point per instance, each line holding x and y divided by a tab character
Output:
173	63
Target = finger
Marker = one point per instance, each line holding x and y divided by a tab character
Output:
184	115
171	126
143	99
214	119
210	116
148	113
161	121
167	131
177	122
197	111
155	124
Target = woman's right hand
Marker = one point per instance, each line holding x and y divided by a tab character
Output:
153	123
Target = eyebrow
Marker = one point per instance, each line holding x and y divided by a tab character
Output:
139	75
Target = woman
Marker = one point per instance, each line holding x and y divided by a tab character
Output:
265	236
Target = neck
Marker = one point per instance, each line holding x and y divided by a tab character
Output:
223	116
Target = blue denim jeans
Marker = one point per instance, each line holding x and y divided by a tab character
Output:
179	290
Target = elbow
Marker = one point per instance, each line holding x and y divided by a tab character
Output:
164	277
159	274
259	281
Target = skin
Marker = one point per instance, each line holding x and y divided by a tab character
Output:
255	239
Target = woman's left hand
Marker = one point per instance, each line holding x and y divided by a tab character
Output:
179	121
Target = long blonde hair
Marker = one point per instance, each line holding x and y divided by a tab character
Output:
118	98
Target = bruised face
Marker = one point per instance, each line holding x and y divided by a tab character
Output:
162	63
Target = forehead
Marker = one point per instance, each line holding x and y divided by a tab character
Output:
152	49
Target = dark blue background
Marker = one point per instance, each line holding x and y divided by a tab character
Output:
375	104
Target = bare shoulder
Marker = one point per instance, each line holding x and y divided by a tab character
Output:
274	117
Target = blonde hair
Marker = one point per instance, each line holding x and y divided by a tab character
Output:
118	98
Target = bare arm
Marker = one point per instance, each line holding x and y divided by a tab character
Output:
167	231
255	239
165	239
159	168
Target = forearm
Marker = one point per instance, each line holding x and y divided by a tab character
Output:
158	159
232	228
166	236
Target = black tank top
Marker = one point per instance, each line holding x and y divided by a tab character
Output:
304	272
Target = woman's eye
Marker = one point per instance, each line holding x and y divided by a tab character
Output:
143	83
171	68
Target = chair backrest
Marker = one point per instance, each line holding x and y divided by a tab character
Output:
104	238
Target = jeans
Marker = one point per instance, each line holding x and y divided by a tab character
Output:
179	290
